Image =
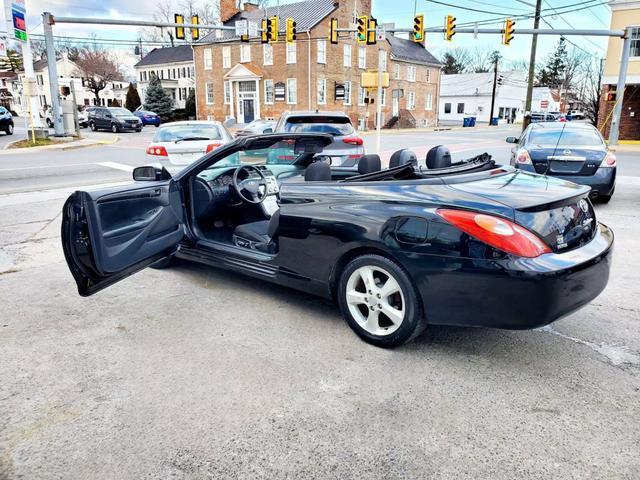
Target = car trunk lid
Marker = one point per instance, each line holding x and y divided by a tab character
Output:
187	152
559	212
572	161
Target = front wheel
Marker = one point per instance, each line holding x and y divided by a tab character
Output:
115	128
9	129
93	127
379	302
138	130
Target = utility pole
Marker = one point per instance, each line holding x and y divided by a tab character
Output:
381	54
532	64
493	92
47	23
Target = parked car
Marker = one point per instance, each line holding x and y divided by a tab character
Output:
397	249
116	119
346	147
257	127
181	143
6	121
537	117
571	151
148	118
83	119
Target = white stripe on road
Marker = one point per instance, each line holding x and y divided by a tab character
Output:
118	166
20	198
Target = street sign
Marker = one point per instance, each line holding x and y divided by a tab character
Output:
253	29
382	33
278	90
339	91
241	28
19	25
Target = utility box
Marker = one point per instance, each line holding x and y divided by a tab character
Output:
68	120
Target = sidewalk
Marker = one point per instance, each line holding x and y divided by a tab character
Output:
442	128
63	145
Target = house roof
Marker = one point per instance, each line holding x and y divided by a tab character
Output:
307	14
466	84
161	56
40	64
410	51
8	74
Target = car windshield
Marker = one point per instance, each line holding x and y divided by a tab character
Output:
184	132
120	112
319	124
565	137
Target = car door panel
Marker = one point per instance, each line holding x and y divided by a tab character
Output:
109	235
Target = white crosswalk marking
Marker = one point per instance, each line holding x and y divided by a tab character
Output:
118	166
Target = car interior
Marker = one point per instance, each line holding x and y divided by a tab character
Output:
235	201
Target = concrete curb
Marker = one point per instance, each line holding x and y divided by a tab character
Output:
64	146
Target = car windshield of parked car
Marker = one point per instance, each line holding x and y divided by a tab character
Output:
120	112
319	124
184	132
564	137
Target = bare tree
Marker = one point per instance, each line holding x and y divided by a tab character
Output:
593	89
97	68
481	60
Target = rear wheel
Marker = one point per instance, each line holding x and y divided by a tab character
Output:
379	302
92	126
115	128
9	129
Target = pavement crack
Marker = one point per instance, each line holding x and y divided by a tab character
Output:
49	222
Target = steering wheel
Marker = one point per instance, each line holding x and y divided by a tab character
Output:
249	188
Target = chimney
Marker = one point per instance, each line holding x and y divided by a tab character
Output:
250	6
228	8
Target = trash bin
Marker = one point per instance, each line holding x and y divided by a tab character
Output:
472	121
466	121
494	121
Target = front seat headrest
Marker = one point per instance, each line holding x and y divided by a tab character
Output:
439	157
318	172
403	157
369	164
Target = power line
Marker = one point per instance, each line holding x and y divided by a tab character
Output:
570	26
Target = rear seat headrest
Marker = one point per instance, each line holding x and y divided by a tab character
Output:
318	172
369	164
438	157
403	157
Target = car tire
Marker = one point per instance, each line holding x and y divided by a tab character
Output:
115	128
93	127
605	198
382	318
9	129
157	125
138	130
164	263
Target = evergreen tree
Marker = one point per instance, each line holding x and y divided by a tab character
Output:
190	104
133	99
157	100
552	74
12	62
451	64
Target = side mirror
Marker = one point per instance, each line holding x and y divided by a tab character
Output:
512	140
150	174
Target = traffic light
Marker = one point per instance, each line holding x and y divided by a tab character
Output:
333	33
449	27
291	30
195	32
272	29
371	31
509	29
363	23
418	28
264	34
177	18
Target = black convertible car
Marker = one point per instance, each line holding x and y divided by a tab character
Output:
471	243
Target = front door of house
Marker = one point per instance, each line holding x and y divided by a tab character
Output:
248	108
247	98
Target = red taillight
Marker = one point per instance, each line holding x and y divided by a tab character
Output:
352	140
609	160
285	157
500	233
157	150
212	146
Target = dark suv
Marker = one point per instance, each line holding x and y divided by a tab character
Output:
116	119
6	121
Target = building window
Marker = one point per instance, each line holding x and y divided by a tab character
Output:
322	50
396	72
322	91
428	104
362	93
291	53
245	53
141	75
461	108
209	86
635	42
292	90
268	92
227	93
267	54
362	57
208	59
226	57
347	55
347	93
411	73
447	108
428	76
411	101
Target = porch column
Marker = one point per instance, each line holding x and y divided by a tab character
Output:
231	98
258	98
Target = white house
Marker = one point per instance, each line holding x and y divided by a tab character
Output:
469	95
68	75
545	99
175	69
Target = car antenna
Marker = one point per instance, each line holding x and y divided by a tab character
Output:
554	149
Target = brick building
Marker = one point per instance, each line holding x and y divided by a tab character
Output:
255	80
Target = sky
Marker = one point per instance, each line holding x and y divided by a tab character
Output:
401	12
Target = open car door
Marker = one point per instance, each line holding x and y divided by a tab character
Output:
110	234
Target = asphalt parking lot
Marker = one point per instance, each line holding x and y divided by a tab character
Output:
196	373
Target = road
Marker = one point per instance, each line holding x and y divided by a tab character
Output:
192	373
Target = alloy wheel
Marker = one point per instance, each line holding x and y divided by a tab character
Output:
375	300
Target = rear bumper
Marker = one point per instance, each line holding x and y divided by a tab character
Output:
602	182
150	121
517	293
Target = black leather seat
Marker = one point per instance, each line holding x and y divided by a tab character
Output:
438	157
369	164
403	157
257	235
318	172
